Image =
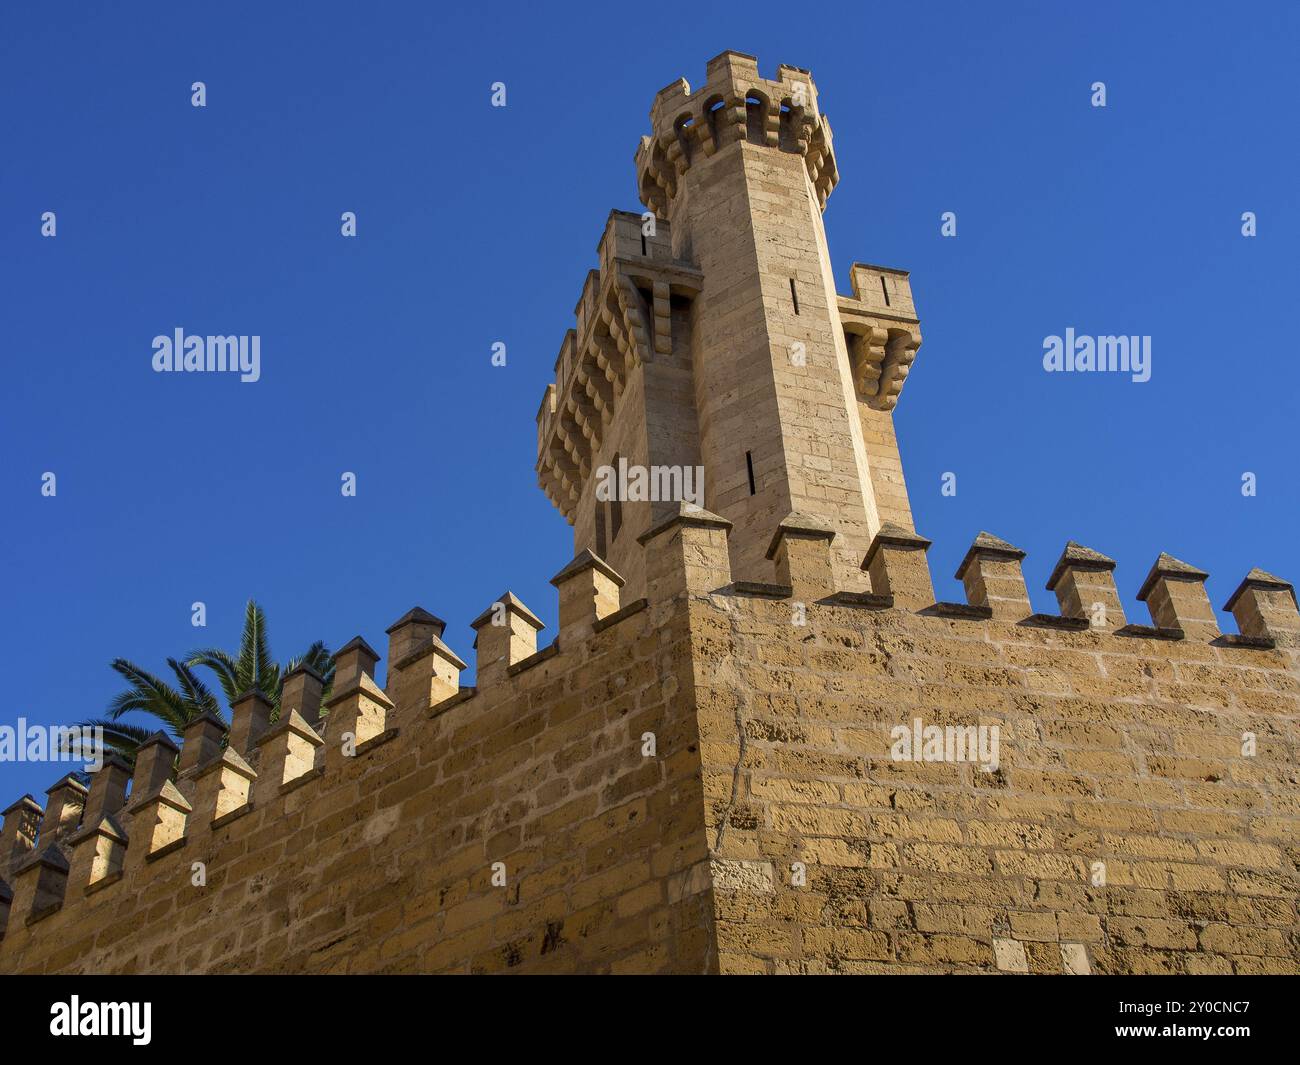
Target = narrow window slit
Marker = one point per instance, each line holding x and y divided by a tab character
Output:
794	296
884	291
616	503
749	465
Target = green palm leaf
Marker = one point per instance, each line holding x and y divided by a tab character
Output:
223	665
175	705
254	647
121	738
150	694
197	694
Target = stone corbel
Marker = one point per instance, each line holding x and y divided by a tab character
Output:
869	358
900	352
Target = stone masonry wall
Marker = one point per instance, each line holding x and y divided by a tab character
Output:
1125	829
383	862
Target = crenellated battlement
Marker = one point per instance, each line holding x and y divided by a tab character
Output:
735	104
112	841
623	320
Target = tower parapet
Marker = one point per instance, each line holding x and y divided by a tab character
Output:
624	321
735	103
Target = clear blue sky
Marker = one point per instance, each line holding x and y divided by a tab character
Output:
478	224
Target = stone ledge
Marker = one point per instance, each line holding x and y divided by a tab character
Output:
234	815
103	882
315	773
1055	621
44	912
534	659
634	607
376	741
162	852
964	611
1151	632
759	590
1260	643
464	695
867	600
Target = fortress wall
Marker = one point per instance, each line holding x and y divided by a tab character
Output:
1123	831
383	862
1127	827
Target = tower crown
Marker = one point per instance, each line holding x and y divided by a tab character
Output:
734	104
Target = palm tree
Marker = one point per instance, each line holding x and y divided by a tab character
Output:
176	705
173	706
253	667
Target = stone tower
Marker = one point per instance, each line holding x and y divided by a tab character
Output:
712	338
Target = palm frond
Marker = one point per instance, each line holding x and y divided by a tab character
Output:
197	694
223	665
254	646
250	667
125	702
148	693
120	738
316	657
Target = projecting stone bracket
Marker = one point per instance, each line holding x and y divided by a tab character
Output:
882	331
